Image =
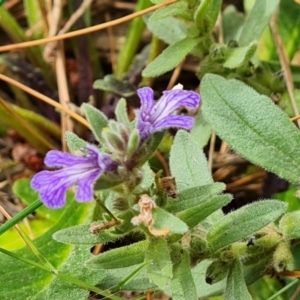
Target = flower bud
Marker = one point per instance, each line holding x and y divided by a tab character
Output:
113	141
133	143
121	204
261	243
121	113
283	258
216	271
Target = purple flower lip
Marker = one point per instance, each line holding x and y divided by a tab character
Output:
153	117
81	170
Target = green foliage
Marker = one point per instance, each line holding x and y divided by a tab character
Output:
81	235
253	217
168	29
170	57
194	215
289	225
160	266
235	286
193	196
112	84
252	125
163	219
237	57
120	258
206	15
74	142
179	243
257	21
34	280
201	131
182	286
232	23
96	118
188	163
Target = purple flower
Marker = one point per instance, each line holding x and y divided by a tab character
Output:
152	117
82	170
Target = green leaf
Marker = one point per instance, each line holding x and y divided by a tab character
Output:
289	26
111	84
28	281
232	22
237	57
243	222
74	142
170	57
96	119
252	125
188	163
204	289
162	219
235	286
288	21
120	258
257	21
59	289
139	282
169	29
160	267
44	220
183	286
194	215
193	196
148	178
167	11
201	131
81	235
206	15
151	146
289	225
121	113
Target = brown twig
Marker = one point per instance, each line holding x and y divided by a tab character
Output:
63	92
175	75
26	125
211	150
75	16
45	99
111	40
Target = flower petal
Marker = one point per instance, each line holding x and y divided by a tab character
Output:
179	121
174	99
85	187
52	186
146	95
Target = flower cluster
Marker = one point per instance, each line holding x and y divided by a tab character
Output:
84	170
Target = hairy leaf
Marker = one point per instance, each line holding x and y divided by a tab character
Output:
257	21
170	57
252	125
235	286
188	163
243	222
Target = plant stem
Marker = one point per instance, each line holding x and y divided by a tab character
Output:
133	38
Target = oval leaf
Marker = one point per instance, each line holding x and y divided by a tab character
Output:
289	225
243	222
170	57
160	268
120	258
252	125
188	163
235	286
